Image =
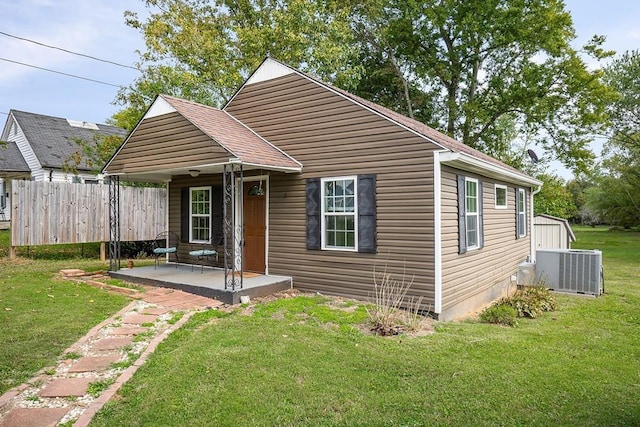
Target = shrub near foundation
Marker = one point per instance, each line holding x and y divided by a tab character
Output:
529	302
500	314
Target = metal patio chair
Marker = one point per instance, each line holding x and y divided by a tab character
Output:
207	252
166	243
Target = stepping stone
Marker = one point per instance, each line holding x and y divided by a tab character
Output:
111	343
94	363
139	319
72	272
128	330
156	310
65	387
33	417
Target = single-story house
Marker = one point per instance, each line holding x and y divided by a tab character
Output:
328	188
550	232
45	144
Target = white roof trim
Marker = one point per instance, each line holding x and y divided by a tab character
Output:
159	107
268	70
481	167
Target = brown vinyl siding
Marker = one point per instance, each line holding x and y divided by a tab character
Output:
332	137
470	274
175	188
153	147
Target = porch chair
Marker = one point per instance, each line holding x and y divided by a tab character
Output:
166	243
208	251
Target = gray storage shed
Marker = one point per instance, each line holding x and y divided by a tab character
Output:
551	232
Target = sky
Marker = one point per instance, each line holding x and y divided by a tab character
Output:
97	28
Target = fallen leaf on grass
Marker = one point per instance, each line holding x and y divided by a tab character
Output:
7	308
91	301
50	296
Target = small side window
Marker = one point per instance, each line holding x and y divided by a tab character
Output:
501	196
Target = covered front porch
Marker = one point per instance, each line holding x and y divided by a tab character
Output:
209	283
217	174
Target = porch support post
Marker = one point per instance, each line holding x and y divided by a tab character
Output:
114	223
233	225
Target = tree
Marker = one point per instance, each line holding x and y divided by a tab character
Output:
554	198
473	62
465	67
578	188
92	154
204	50
617	197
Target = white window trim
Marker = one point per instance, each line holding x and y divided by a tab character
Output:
191	190
354	213
495	194
476	213
522	194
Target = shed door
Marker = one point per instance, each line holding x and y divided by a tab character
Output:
254	227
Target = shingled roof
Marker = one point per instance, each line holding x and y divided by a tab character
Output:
232	135
53	139
416	126
11	160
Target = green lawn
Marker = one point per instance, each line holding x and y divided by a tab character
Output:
301	361
40	316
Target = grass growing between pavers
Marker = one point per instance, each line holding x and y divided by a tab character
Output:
40	315
301	361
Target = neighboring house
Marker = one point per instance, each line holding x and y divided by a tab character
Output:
12	166
45	145
336	187
551	232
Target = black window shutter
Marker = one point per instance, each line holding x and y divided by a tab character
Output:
480	216
314	212
524	222
462	226
517	211
216	214
184	214
367	213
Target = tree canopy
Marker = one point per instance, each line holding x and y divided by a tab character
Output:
480	70
616	198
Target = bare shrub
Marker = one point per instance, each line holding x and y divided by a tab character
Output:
387	314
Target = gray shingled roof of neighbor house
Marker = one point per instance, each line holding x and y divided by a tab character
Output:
53	139
11	159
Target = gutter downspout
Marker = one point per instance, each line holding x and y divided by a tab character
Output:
532	254
437	235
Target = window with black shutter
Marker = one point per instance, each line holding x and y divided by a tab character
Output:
341	213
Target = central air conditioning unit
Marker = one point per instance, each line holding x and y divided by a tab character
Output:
570	270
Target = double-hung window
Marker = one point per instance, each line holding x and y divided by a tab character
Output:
470	216
199	214
471	212
521	218
339	213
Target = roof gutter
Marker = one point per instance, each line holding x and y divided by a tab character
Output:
469	163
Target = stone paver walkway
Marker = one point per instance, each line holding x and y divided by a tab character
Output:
106	358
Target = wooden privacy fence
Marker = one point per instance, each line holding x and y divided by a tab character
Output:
46	213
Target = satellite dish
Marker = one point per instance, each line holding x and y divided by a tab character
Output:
533	155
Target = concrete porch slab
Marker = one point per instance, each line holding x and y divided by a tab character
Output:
208	284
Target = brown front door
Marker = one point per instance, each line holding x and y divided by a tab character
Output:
254	205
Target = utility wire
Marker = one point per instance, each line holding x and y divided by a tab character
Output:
69	51
60	72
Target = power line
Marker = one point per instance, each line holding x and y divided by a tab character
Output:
70	51
60	72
